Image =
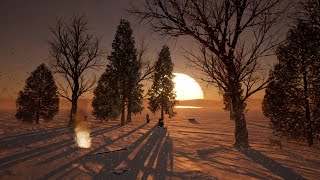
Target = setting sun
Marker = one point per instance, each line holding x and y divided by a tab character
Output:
186	88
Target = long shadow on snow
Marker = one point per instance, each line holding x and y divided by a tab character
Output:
33	153
31	138
270	164
221	165
66	153
67	168
137	163
157	151
14	137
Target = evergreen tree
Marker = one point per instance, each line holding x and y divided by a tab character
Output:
105	102
125	66
291	99
283	103
39	97
161	95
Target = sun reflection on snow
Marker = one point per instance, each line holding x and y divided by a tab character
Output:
188	107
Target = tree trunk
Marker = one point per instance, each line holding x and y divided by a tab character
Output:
73	112
162	113
129	108
238	113
38	113
37	117
309	132
74	105
123	111
231	114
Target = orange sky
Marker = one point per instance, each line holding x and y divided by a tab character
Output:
24	34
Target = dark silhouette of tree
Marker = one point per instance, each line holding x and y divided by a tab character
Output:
282	102
292	96
233	35
161	95
39	98
74	51
310	12
125	66
105	103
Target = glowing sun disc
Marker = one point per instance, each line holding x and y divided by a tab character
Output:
186	87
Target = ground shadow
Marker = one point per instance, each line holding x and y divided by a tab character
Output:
270	164
193	121
153	147
151	156
221	163
14	159
16	136
70	167
30	138
203	153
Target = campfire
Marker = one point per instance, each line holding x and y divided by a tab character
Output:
82	134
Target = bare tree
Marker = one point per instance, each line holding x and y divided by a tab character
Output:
148	67
233	34
74	51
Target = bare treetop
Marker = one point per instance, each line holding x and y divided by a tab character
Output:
73	51
236	32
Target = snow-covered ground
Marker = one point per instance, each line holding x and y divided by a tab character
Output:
199	149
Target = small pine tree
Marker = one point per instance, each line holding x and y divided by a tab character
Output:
161	95
105	102
39	98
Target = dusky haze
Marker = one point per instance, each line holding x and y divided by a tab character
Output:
24	36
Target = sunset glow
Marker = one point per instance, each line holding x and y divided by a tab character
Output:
186	88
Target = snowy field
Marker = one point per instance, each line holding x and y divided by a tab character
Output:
199	149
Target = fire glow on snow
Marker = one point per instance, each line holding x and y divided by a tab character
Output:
82	134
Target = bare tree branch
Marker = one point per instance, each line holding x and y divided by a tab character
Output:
74	51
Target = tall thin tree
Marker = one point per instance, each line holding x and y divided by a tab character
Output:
74	51
161	95
125	66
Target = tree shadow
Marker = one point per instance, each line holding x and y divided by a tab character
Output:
193	121
152	157
203	153
17	136
17	158
30	138
74	149
222	164
270	164
71	166
116	159
151	148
